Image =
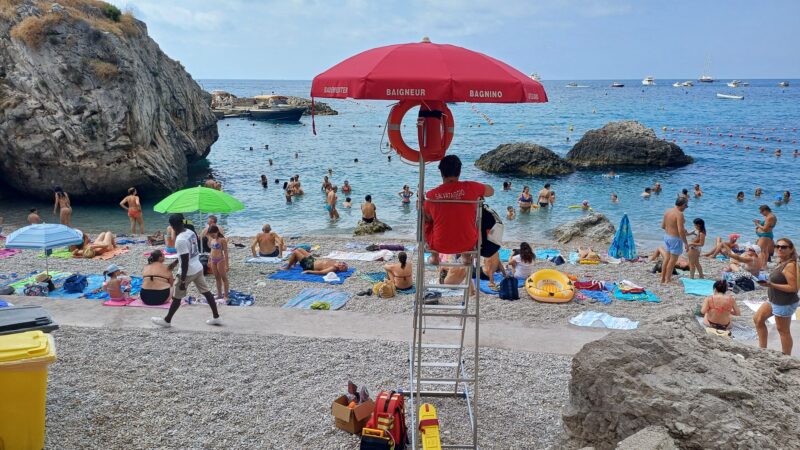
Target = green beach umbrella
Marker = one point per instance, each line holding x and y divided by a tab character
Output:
200	199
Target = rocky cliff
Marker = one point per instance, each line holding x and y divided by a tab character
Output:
89	102
625	144
525	158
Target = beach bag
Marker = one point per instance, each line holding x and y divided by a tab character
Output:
745	284
509	289
384	289
495	231
386	427
7	290
75	283
35	290
557	260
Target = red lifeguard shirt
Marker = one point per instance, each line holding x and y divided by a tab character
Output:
453	229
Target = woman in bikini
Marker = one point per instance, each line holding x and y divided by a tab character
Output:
219	260
405	195
157	279
169	240
719	307
544	196
525	200
400	273
62	203
695	247
764	231
132	204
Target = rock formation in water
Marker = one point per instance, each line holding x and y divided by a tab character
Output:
707	391
594	227
374	227
625	144
524	158
89	102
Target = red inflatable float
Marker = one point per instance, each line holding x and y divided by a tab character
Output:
435	127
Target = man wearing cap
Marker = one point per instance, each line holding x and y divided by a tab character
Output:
750	259
191	272
674	237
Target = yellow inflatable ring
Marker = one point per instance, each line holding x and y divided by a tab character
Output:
550	286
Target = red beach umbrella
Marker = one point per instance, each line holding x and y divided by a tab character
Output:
427	75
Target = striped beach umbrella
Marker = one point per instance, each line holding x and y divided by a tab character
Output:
623	245
44	237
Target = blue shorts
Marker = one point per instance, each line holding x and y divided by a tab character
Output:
674	244
784	310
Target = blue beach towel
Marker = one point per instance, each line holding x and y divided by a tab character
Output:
136	287
236	298
296	274
93	282
574	258
603	320
623	246
546	253
498	277
306	297
646	297
603	297
505	254
697	287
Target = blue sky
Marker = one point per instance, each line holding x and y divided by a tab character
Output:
560	39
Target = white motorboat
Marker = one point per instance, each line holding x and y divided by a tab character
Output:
576	85
783	84
617	84
706	79
649	81
677	84
734	83
744	83
535	77
687	83
730	97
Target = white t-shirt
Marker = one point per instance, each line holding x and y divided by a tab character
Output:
522	270
186	244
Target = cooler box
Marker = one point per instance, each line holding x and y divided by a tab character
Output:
25	318
24	358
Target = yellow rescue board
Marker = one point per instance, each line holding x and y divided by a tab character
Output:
429	427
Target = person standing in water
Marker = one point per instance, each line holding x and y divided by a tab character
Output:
133	205
191	272
674	237
544	196
62	203
330	203
405	195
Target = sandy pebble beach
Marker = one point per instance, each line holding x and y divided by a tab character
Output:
246	278
172	389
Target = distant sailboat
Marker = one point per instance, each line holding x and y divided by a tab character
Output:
705	77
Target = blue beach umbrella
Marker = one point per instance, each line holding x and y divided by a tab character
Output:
44	237
623	246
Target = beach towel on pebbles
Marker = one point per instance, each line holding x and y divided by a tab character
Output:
646	296
93	283
498	277
8	252
603	297
296	274
739	332
380	255
136	287
697	287
546	253
603	320
309	296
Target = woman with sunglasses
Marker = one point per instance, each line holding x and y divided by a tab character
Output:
782	294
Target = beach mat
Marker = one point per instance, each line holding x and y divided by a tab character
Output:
60	254
122	302
603	297
56	278
498	277
697	286
505	254
739	332
306	297
647	296
546	253
603	320
8	252
111	254
263	260
296	274
136	287
380	255
93	283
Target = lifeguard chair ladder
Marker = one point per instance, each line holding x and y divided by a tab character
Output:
438	367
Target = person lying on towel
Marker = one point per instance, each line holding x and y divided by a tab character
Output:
314	266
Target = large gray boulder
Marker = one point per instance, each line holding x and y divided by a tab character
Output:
524	158
89	102
594	227
707	391
374	227
621	144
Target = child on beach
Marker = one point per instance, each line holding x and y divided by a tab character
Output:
511	214
114	285
696	246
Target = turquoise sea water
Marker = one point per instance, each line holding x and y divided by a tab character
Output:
695	114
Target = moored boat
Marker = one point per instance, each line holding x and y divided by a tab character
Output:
617	84
677	84
783	84
275	108
734	83
687	83
730	96
649	81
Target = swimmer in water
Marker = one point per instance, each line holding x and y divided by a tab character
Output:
270	161
740	196
614	198
758	192
405	195
510	214
697	191
646	193
346	188
657	188
348	203
585	205
63	206
264	181
326	184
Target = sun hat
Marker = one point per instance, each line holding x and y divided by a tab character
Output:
755	248
112	268
733	236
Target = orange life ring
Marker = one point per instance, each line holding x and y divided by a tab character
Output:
435	128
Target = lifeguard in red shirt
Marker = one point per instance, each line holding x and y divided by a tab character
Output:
450	227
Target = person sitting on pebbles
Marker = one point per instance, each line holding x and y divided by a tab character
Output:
268	243
718	308
731	245
587	254
313	266
749	260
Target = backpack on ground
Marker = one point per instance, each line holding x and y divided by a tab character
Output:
386	427
36	290
75	283
745	284
384	289
509	289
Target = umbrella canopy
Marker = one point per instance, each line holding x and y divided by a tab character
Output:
44	236
623	246
203	199
427	71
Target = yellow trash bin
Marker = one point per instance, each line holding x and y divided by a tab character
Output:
24	358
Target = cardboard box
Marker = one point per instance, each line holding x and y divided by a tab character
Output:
351	420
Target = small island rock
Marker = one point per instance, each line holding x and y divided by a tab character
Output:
594	227
525	158
374	227
628	143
